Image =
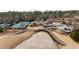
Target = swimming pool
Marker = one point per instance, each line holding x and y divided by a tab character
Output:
21	25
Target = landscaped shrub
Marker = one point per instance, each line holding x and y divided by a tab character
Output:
1	29
75	35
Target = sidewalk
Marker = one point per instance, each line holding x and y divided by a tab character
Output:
12	40
71	44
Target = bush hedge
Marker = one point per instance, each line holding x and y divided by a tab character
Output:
75	35
1	29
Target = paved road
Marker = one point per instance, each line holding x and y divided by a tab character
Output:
37	41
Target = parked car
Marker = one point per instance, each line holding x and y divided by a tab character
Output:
66	29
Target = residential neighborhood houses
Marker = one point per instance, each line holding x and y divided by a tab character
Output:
56	24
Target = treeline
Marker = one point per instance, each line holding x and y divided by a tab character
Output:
13	16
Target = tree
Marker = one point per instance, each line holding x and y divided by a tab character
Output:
60	14
75	35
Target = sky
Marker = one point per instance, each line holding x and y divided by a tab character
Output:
40	5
